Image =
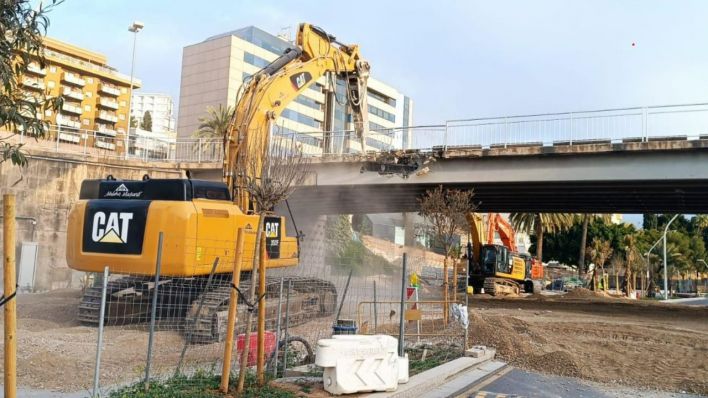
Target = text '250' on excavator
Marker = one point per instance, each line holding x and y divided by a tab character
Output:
116	223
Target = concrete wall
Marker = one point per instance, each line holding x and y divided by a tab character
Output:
45	191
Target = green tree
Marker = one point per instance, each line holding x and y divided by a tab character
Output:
23	26
147	121
133	122
540	223
216	123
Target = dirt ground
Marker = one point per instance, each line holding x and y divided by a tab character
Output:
612	341
609	340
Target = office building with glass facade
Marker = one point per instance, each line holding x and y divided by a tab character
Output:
214	70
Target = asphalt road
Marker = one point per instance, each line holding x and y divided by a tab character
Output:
519	383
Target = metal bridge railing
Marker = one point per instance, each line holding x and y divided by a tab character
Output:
111	144
639	124
689	121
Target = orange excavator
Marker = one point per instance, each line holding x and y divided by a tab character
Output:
499	269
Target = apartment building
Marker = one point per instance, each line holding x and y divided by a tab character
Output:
214	70
95	94
161	108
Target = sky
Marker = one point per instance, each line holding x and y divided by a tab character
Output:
455	59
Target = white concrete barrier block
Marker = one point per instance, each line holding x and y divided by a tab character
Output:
358	363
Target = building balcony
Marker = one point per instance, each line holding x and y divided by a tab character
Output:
33	83
73	94
35	69
107	116
74	124
105	130
109	89
71	108
73	78
70	138
105	145
109	103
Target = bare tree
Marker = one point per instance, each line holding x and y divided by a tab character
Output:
270	177
444	211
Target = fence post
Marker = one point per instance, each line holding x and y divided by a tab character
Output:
447	126
571	128
199	151
58	134
376	312
401	327
99	345
233	305
645	122
277	327
260	363
153	312
10	288
508	134
287	317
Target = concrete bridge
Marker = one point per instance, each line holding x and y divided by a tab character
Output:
632	177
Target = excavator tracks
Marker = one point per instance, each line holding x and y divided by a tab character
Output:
500	287
128	300
310	298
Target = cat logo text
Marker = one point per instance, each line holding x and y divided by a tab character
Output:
111	227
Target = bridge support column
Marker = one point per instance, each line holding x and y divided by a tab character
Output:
409	229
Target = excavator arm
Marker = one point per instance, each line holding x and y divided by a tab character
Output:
506	232
269	92
476	227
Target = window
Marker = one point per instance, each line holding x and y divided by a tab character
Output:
87	108
301	99
299	137
376	126
382	97
122	103
377	144
50	84
300	118
89	80
382	114
255	60
48	112
53	69
123	90
86	122
88	94
121	116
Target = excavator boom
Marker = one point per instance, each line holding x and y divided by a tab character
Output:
269	92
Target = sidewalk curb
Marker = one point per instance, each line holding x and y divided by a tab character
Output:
445	379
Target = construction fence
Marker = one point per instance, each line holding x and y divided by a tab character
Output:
159	326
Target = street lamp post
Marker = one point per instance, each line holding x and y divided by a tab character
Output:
647	255
666	278
136	27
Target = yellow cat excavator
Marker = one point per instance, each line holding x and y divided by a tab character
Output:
116	223
499	269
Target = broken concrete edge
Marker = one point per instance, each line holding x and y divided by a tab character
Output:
432	378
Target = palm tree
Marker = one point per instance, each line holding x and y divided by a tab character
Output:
586	218
599	252
216	123
539	223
